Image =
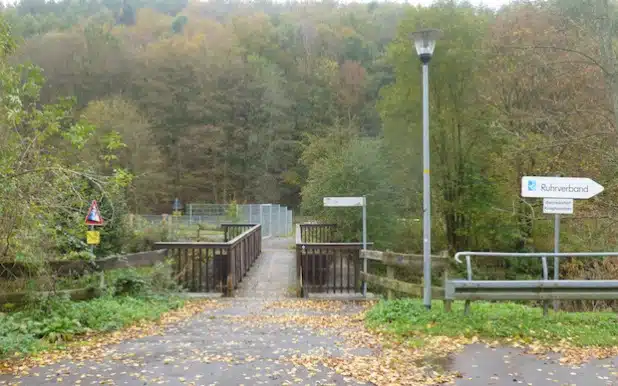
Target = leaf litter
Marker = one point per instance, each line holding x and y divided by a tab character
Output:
385	359
96	345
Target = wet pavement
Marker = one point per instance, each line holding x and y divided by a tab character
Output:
481	365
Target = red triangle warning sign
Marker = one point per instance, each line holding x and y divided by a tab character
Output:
94	216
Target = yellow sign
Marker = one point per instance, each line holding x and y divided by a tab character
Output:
93	238
177	213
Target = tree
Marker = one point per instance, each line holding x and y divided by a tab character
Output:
139	154
39	188
355	169
461	133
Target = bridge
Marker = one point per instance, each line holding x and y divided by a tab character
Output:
254	335
249	263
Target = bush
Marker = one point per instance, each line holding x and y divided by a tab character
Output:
59	320
143	281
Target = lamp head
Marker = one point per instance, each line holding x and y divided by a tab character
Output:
425	42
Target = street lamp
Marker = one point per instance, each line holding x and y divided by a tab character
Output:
425	42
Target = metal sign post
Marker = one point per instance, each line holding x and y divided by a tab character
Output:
558	194
94	218
349	202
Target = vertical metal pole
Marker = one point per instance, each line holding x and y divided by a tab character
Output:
426	192
556	250
364	242
92	245
190	214
250	222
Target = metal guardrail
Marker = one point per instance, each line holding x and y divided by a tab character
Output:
542	290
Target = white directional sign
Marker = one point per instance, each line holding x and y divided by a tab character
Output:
344	201
558	205
559	187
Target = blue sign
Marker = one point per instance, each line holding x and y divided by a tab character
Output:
176	205
531	185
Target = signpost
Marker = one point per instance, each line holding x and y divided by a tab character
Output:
93	218
559	187
558	194
350	202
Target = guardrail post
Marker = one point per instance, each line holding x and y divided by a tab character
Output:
447	302
469	269
545	277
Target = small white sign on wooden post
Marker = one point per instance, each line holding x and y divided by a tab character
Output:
558	205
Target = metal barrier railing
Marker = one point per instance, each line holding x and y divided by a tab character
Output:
544	289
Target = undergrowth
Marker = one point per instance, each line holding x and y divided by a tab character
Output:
408	318
61	320
131	295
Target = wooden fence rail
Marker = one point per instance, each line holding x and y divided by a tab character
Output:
198	266
219	267
63	268
439	263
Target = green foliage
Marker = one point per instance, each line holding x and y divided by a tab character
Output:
356	168
409	318
143	282
61	320
231	212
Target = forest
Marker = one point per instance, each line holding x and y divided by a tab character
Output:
135	102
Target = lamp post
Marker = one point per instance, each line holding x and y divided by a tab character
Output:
425	42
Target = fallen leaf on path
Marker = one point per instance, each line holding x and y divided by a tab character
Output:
94	346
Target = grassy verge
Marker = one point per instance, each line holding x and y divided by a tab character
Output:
57	321
409	319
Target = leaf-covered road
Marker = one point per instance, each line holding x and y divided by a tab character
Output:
231	345
267	338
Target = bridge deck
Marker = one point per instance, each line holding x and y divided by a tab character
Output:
274	274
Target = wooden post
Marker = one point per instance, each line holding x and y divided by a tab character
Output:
390	273
231	271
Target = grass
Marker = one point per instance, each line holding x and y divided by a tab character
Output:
408	318
46	325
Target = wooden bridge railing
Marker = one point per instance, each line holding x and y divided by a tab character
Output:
231	231
317	233
216	267
323	265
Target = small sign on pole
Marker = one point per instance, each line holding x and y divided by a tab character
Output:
352	202
93	217
558	205
93	238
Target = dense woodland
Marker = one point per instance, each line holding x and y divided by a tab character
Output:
136	102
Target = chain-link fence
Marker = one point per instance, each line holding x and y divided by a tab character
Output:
276	220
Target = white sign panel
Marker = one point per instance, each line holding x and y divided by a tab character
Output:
559	187
344	201
558	205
